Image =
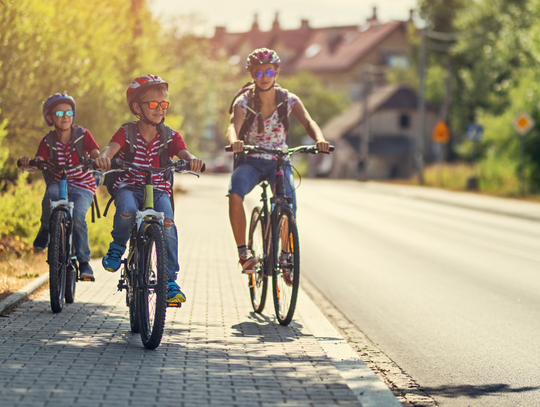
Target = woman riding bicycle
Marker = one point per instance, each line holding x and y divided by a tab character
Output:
263	101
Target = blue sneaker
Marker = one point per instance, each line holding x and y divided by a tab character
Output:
175	295
113	259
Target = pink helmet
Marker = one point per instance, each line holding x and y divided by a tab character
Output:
262	56
139	83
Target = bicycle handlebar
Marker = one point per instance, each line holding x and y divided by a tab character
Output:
45	164
177	166
279	151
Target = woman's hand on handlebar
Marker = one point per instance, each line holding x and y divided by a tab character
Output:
103	163
323	146
237	146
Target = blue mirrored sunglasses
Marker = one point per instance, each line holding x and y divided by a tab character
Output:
269	73
60	113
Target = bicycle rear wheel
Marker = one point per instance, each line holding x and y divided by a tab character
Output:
152	296
257	281
57	259
286	275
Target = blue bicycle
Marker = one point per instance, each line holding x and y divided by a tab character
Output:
63	266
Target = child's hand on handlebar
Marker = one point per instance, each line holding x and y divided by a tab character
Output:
195	164
24	162
103	163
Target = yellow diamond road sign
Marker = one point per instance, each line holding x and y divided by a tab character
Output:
523	123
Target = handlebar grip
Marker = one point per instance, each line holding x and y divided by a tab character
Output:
19	163
203	169
228	149
331	148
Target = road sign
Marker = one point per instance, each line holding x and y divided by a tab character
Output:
523	123
441	133
474	132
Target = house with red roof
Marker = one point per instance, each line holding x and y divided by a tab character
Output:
337	55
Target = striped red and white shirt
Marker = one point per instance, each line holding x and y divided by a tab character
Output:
76	176
146	156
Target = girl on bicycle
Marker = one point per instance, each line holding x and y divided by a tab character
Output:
268	130
146	98
59	110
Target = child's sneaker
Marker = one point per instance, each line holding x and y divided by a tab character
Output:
42	240
247	261
175	295
113	259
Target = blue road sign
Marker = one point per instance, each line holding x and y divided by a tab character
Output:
474	132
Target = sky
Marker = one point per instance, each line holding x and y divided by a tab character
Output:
237	15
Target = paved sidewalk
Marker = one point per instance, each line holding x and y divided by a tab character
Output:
215	351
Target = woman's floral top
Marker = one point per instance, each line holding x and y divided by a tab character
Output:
274	131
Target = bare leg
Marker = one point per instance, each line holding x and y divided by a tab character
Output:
237	216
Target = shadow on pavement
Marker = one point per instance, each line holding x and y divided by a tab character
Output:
475	392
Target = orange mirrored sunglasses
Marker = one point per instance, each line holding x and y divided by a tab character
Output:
154	105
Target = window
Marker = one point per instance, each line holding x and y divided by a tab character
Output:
404	121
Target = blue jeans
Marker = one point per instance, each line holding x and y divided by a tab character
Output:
253	170
129	200
82	199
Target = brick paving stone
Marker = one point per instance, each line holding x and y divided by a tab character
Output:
215	350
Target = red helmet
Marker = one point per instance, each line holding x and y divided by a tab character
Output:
139	83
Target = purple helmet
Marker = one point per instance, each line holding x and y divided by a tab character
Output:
55	100
262	56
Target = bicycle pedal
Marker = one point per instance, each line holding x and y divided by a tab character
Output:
248	271
174	304
91	279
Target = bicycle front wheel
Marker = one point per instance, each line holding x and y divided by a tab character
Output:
132	293
257	281
286	275
152	295
57	259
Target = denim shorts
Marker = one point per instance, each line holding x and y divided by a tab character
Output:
253	170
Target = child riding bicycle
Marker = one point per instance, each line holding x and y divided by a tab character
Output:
67	145
260	116
151	143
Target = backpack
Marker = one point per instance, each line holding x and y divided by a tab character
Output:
77	144
282	109
165	138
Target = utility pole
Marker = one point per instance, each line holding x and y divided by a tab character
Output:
419	154
364	132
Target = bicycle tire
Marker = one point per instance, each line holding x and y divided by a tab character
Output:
71	281
152	296
131	293
257	281
57	254
286	272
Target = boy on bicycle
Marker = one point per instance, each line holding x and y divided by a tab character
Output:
146	98
59	146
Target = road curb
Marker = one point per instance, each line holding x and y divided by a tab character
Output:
23	293
366	385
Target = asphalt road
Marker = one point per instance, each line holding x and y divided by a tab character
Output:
452	295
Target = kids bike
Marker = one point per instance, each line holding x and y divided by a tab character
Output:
144	272
63	266
273	240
